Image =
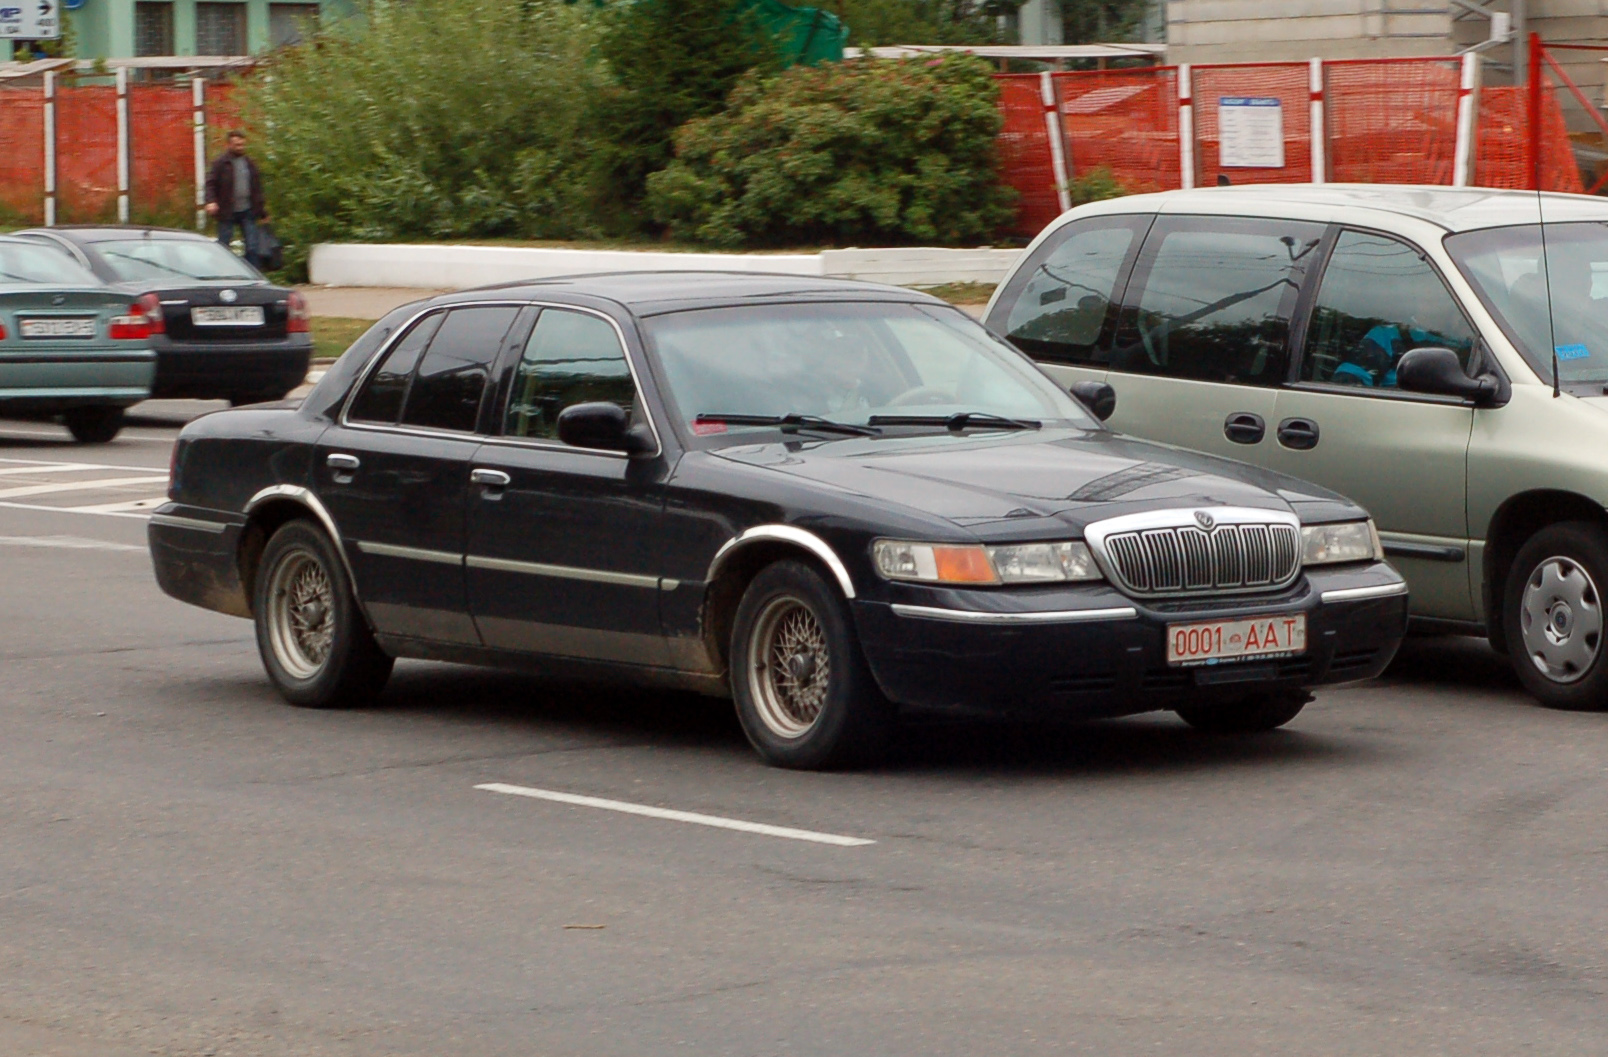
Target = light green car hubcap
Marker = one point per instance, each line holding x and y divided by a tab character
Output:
1561	617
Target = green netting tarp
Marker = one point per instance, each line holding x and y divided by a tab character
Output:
807	35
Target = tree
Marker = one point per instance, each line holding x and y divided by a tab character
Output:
671	61
873	23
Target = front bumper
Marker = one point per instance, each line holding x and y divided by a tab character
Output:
1090	651
264	370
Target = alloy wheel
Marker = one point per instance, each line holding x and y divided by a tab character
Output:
301	614
789	667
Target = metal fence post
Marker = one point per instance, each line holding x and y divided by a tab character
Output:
1319	132
1463	158
50	148
198	104
1186	129
1052	127
122	145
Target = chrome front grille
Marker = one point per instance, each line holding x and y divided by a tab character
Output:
1229	554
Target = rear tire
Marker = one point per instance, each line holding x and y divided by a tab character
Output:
804	695
94	425
1553	615
315	645
1250	715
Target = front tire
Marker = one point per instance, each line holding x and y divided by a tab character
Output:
1552	613
94	425
1250	715
315	645
804	695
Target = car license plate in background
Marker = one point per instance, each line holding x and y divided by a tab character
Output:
57	328
233	316
1227	640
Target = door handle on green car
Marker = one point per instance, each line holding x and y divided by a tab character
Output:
1245	427
1298	434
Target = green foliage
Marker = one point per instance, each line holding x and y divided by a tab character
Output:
1096	185
874	23
859	152
431	119
671	61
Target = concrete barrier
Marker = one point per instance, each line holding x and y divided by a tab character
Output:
463	267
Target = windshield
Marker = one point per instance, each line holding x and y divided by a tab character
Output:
1504	266
136	260
22	263
847	363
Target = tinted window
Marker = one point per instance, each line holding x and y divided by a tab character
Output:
571	358
1059	314
1379	298
1216	301
451	378
383	393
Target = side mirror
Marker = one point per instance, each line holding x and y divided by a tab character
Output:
602	425
1098	397
1436	371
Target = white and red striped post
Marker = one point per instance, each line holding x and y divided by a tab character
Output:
198	108
1320	134
1186	128
1052	127
1467	87
122	145
50	148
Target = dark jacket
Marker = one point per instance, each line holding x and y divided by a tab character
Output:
220	188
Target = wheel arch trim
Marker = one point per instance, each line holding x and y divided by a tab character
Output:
306	498
784	534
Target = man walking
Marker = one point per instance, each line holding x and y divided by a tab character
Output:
234	196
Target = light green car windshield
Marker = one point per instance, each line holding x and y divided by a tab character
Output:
1563	307
42	266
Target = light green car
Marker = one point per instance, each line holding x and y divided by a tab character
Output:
1394	344
69	345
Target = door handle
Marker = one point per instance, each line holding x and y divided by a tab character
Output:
1298	434
1243	427
343	465
490	478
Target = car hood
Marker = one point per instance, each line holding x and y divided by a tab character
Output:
1012	485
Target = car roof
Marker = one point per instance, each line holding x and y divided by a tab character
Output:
653	292
1451	208
111	232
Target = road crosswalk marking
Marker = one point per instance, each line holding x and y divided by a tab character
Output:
79	486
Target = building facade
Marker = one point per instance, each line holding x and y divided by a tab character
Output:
126	29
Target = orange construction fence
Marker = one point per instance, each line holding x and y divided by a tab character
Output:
1351	121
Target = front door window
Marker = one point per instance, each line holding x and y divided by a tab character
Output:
571	358
1379	299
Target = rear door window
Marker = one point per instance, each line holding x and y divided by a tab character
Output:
451	378
1379	299
380	400
1212	299
1057	305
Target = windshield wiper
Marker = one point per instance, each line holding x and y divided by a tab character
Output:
959	421
790	422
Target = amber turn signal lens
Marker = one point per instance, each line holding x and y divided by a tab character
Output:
963	565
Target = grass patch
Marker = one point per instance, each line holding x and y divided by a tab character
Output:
332	335
962	293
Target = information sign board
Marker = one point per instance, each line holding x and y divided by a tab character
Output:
30	19
1250	132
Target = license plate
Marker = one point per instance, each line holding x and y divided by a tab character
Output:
1230	640
233	316
57	328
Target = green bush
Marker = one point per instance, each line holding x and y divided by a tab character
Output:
858	152
431	119
1096	185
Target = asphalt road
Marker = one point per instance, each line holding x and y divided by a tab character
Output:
189	866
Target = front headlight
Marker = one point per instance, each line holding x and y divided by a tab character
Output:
1021	563
1350	541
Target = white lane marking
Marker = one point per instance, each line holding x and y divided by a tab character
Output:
26	466
676	816
70	510
123	438
77	543
113	508
78	486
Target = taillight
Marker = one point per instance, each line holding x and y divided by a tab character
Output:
131	327
297	314
2	332
150	306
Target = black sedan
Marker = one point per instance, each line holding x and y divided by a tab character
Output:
219	328
834	501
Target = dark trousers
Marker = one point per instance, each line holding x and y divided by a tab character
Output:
248	233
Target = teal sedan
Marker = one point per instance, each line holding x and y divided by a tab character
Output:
70	347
